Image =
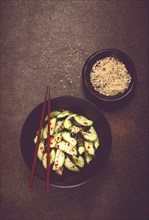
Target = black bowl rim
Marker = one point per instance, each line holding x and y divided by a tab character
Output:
114	99
82	99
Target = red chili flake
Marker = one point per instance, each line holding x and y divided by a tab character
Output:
51	142
56	164
60	168
52	136
56	124
87	151
57	146
88	147
85	123
68	144
43	152
73	166
41	147
74	155
50	123
73	150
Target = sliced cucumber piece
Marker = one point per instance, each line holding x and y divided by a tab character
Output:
67	137
81	149
96	143
52	115
45	132
52	125
52	158
91	135
52	142
57	137
58	126
83	120
89	147
79	161
44	161
70	165
59	159
75	129
66	147
52	128
41	151
35	139
67	123
60	171
88	158
63	114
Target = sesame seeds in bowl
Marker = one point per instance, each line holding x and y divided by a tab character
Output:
109	75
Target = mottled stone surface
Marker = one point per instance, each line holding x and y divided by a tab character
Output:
47	43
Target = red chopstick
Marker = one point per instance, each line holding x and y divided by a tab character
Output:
38	140
48	148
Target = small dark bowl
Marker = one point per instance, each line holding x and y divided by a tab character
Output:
101	55
69	178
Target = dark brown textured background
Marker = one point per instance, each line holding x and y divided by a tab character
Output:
46	43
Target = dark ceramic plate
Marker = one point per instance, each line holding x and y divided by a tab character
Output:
82	107
101	55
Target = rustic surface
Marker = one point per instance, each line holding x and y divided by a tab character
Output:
46	43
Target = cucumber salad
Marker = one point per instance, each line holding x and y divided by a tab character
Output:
73	141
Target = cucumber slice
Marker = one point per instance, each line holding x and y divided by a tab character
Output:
91	135
45	132
75	129
81	149
52	115
88	158
52	128
67	137
59	159
41	151
58	126
57	137
67	123
96	143
63	114
89	147
79	161
41	137
52	158
83	120
35	139
70	165
52	125
60	171
52	142
66	147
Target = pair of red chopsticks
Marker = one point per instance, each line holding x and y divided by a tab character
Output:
47	96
